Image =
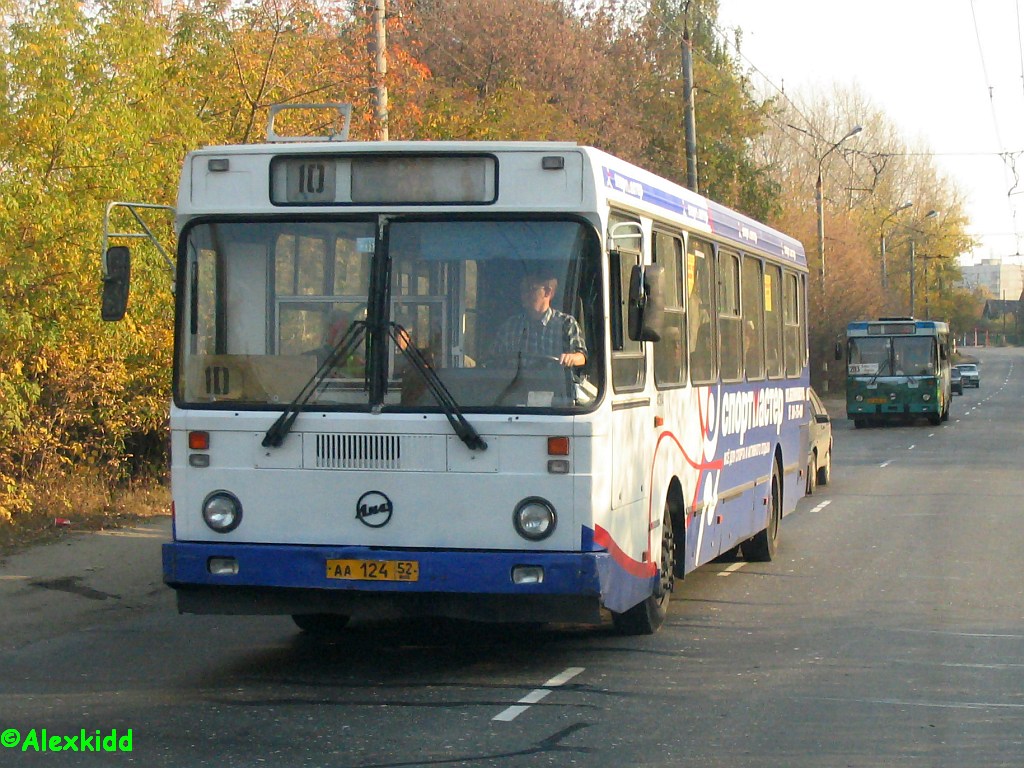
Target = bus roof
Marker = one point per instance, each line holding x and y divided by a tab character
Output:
601	176
896	326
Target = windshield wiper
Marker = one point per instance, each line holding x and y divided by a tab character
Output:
883	364
460	424
352	337
346	345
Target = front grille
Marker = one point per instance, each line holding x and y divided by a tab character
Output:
358	451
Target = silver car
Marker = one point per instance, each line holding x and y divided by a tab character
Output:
969	374
819	443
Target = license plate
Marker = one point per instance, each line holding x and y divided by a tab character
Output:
374	570
878	400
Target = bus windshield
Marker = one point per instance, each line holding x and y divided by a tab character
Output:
914	355
892	356
869	356
507	312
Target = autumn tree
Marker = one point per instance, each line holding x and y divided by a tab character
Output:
101	101
601	73
866	182
515	70
82	116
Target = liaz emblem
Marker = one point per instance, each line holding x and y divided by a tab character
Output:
374	509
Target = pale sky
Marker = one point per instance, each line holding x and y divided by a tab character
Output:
948	73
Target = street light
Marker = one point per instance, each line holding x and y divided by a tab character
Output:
881	240
818	200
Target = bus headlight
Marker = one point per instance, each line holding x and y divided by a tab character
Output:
222	511
534	518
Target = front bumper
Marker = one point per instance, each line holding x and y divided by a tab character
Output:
291	579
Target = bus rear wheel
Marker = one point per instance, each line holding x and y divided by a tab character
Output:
763	545
646	618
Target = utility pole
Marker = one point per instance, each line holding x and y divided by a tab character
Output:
912	265
380	89
819	200
689	120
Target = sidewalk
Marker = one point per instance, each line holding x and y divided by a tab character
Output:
70	582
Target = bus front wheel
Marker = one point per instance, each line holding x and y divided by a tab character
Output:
645	618
763	545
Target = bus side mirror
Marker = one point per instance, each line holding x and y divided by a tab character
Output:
646	310
839	351
116	277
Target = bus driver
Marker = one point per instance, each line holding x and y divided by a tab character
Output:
539	330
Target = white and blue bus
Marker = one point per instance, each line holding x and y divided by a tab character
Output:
347	441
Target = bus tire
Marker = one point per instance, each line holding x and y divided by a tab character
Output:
825	470
320	623
858	423
761	548
646	617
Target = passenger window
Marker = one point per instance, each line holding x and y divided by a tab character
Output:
773	315
670	350
753	319
793	326
629	361
700	311
730	327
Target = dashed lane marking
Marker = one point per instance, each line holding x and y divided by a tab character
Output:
731	569
536	695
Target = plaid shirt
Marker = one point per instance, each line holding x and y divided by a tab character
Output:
554	334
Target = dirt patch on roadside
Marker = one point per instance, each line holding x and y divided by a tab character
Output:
55	515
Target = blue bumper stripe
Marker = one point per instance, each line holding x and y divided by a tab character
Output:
463	572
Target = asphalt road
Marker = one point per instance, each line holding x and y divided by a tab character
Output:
889	632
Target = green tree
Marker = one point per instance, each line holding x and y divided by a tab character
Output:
83	105
100	102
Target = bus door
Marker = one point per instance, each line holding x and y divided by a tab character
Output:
632	434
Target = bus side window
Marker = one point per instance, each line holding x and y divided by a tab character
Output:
629	362
753	318
700	311
773	315
730	324
792	327
670	350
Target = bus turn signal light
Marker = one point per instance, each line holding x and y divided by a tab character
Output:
558	446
